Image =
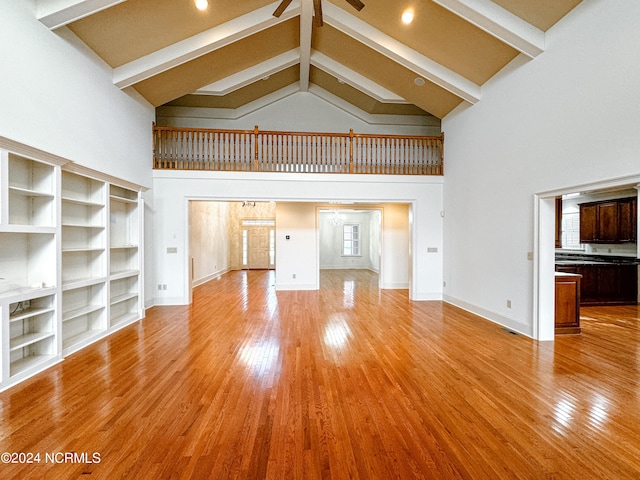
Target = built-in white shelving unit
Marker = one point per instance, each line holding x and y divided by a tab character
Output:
124	265
70	259
28	266
84	260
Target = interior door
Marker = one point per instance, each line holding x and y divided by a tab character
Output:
258	248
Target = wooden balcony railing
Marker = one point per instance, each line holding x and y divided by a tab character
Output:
270	151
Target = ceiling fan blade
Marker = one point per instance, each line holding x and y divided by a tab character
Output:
281	8
357	4
317	18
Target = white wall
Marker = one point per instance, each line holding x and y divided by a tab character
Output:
208	240
57	96
296	253
570	117
396	246
421	232
299	112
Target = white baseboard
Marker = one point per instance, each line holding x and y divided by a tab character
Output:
491	316
210	277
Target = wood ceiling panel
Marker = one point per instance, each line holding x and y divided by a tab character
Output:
361	100
384	71
202	71
439	35
542	14
243	95
136	28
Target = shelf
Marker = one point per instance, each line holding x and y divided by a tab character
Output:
117	198
123	298
16	228
123	247
25	192
86	203
126	318
21	294
78	312
30	312
82	338
26	363
124	274
28	339
83	249
76	225
74	283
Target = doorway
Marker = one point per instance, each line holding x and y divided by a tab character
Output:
351	239
545	250
258	246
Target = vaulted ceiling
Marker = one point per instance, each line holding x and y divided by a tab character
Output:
237	55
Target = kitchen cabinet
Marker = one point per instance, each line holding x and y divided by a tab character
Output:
611	221
567	300
628	212
605	284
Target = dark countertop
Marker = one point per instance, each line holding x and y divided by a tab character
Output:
585	259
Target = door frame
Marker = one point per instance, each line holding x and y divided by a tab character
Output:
544	249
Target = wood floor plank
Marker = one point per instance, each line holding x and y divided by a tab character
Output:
348	382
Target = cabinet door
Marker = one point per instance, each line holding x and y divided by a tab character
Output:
628	282
588	223
588	284
608	222
627	209
608	283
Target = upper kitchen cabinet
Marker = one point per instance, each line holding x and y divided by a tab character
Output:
628	211
611	221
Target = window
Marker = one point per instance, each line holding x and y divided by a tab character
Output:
245	247
351	239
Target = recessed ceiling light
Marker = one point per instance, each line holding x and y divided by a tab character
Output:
419	81
407	16
202	4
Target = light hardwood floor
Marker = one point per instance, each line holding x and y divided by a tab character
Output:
346	382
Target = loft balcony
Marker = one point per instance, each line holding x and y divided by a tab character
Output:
299	152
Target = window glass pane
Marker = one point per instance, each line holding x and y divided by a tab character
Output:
272	247
350	239
245	246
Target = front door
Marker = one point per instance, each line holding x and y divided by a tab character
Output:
258	248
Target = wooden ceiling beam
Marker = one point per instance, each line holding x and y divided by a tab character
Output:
306	31
58	13
354	79
253	74
500	23
401	53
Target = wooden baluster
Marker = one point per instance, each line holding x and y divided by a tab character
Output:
181	151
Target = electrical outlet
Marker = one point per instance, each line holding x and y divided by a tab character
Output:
294	275
529	255
508	303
